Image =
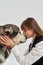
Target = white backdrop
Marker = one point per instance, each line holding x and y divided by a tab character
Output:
15	11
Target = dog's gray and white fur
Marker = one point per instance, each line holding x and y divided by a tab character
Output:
14	32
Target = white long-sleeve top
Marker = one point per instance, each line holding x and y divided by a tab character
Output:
35	54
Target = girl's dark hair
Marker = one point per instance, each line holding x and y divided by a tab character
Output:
32	23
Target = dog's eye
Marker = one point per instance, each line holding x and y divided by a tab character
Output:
7	32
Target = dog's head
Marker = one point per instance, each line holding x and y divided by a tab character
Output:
14	32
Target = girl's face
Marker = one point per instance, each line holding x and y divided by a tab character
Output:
28	32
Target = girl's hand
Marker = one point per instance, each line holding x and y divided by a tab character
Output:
7	41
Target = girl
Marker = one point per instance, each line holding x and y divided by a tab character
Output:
34	56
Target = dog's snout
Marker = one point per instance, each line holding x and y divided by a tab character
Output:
23	39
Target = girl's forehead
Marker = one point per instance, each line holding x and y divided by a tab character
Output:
26	28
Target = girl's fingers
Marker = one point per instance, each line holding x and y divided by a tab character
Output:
3	42
3	39
6	40
4	36
7	37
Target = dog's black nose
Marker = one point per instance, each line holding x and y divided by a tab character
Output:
23	41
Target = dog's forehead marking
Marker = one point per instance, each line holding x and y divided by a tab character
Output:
11	26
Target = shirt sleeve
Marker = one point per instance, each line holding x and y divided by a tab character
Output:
31	57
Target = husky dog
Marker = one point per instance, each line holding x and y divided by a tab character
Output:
14	32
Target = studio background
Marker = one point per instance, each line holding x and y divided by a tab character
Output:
14	12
